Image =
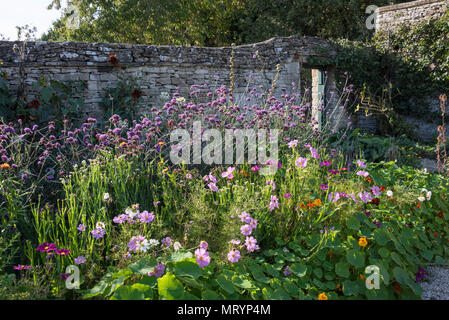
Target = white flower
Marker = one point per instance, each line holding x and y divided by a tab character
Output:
181	100
177	246
389	193
424	190
421	199
130	212
143	245
165	95
100	225
154	242
285	250
429	195
106	196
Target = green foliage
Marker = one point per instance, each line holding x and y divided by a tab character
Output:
394	74
213	23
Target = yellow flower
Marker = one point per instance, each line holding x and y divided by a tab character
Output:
363	242
161	143
322	296
318	202
303	206
123	144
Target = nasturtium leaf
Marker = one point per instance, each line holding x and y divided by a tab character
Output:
298	269
143	266
180	255
169	287
381	236
384	252
225	284
318	272
187	268
396	258
128	293
356	258
242	282
350	288
353	223
211	295
342	269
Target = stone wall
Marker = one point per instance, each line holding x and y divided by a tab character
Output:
163	68
390	17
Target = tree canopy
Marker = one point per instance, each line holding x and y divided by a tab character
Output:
211	22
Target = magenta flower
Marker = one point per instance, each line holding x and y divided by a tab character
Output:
324	187
326	163
46	247
287	195
255	168
234	256
301	162
62	252
22	267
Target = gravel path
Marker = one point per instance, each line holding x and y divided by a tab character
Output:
436	284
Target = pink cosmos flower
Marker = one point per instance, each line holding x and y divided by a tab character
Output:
228	173
202	257
234	256
301	162
246	230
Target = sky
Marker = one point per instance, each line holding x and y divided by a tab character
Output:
21	12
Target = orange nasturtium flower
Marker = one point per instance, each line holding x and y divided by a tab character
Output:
5	166
318	202
363	242
322	296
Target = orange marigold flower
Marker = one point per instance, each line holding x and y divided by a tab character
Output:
368	180
123	144
161	143
310	204
322	296
363	242
318	202
5	166
302	206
